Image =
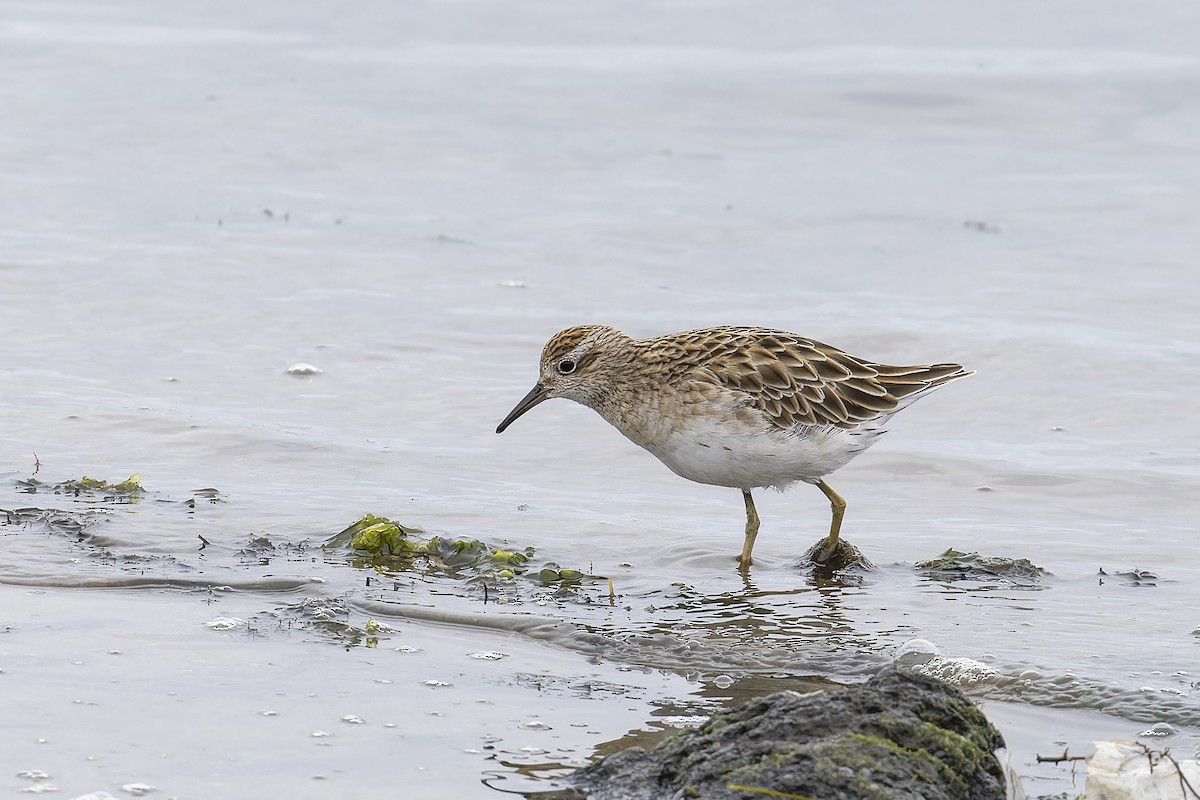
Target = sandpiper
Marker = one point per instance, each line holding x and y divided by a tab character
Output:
738	407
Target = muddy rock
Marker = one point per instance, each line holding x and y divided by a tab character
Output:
900	735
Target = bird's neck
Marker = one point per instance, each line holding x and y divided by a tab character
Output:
630	392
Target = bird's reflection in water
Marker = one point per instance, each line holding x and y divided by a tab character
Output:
823	626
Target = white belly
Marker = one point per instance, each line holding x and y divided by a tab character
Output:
711	451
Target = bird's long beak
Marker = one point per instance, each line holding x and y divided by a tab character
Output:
536	395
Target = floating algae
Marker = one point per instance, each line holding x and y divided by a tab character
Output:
329	618
52	519
127	491
390	548
390	544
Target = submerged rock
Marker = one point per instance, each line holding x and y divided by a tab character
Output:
899	735
953	565
836	556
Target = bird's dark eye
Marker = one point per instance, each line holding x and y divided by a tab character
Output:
566	366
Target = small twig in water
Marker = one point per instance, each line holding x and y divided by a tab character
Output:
1059	759
203	542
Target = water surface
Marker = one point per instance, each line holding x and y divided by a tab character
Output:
413	198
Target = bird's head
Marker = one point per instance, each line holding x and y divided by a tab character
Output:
574	365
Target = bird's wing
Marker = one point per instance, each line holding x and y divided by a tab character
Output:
794	380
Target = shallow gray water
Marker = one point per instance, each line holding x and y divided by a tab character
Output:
413	198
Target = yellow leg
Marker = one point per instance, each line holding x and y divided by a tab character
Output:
751	530
839	509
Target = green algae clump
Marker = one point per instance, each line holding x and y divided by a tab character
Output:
389	547
129	490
